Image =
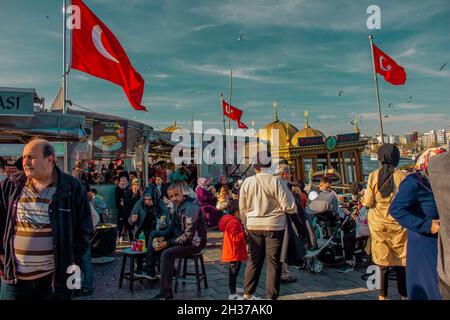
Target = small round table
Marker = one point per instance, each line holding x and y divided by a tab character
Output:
127	252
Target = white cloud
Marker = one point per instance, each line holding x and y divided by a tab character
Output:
327	116
411	106
205	26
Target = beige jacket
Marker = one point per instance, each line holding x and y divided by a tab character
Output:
264	201
387	236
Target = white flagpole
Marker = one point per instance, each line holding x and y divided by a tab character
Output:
376	90
231	90
64	90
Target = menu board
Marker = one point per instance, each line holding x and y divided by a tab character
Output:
109	139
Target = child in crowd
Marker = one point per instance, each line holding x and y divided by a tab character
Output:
234	247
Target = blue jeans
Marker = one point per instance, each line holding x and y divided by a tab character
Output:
40	289
88	271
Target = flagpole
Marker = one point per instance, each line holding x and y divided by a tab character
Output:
224	136
64	90
376	90
231	90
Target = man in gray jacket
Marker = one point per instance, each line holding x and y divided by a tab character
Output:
264	201
188	237
439	173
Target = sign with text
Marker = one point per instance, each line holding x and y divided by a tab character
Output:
109	139
18	102
348	137
311	141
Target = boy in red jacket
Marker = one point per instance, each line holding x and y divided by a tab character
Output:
234	247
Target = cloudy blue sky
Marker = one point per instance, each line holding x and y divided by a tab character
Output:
299	53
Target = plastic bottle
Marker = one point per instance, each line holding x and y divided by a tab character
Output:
142	237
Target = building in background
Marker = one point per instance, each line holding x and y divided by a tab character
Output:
394	139
441	137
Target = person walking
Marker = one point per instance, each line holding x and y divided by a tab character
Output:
415	209
123	199
45	227
387	236
439	173
264	201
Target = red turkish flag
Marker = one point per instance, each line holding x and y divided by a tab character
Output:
388	68
231	112
95	50
242	125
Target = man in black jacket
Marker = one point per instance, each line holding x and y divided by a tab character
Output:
188	237
45	227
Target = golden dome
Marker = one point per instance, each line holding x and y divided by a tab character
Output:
172	128
306	132
285	131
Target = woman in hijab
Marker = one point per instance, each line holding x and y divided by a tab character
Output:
387	237
207	202
415	209
123	199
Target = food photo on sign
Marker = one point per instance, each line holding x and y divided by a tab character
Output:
109	139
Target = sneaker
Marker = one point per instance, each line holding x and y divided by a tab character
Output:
146	274
235	297
346	268
253	297
83	292
288	278
162	296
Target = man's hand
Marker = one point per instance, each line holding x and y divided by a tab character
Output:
134	218
162	245
2	259
435	225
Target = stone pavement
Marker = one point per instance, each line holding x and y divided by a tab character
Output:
329	284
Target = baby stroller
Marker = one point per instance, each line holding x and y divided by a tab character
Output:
329	245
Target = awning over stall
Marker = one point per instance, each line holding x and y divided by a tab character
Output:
51	126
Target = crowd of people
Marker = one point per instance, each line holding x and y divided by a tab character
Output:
405	216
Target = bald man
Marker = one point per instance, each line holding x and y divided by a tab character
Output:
45	227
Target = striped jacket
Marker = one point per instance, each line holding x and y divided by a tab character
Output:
70	219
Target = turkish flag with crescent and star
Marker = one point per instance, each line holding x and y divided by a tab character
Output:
388	68
233	113
96	50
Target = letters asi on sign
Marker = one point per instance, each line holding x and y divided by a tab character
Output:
9	102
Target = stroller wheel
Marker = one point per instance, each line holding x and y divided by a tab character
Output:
316	266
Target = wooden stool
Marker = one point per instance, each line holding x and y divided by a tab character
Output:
181	276
129	275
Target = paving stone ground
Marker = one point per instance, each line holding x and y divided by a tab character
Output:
329	284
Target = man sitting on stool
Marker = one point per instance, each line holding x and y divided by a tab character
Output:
187	237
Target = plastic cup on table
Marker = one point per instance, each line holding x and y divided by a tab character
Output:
139	245
133	246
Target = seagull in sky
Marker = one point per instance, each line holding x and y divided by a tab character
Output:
410	99
389	105
241	36
201	92
443	66
340	92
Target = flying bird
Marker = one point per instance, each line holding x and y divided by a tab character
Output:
389	105
47	17
149	67
410	99
386	117
443	66
201	92
241	36
340	92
